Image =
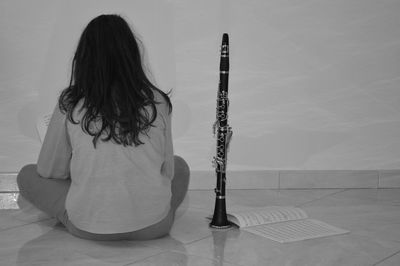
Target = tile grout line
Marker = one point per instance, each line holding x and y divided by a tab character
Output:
21	225
186	253
193	241
382	260
200	256
134	262
8	173
379	178
183	253
212	259
331	194
203	257
279	179
188	243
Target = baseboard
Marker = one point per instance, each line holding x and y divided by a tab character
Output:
299	179
8	182
276	179
236	179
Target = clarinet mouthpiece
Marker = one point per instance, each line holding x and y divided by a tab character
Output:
224	63
225	39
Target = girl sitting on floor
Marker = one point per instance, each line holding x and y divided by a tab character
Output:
106	169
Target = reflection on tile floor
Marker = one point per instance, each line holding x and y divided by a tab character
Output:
29	237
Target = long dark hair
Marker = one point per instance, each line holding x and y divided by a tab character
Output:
107	73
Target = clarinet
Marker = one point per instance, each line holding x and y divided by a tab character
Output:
224	134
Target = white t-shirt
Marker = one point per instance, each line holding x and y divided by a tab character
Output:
114	189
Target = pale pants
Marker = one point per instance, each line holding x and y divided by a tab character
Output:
49	194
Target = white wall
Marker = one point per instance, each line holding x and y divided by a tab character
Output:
313	84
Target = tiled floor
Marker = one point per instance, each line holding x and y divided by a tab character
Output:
29	237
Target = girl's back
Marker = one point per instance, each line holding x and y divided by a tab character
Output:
118	188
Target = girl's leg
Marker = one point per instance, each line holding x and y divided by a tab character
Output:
180	183
47	194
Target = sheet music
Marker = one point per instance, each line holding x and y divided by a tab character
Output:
42	124
266	215
291	231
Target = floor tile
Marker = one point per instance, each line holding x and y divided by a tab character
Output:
355	197
16	211
205	199
8	201
29	237
393	260
173	258
12	240
363	213
192	225
247	249
49	243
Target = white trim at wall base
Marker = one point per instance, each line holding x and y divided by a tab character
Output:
276	179
299	179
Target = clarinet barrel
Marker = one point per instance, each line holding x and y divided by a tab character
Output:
224	133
